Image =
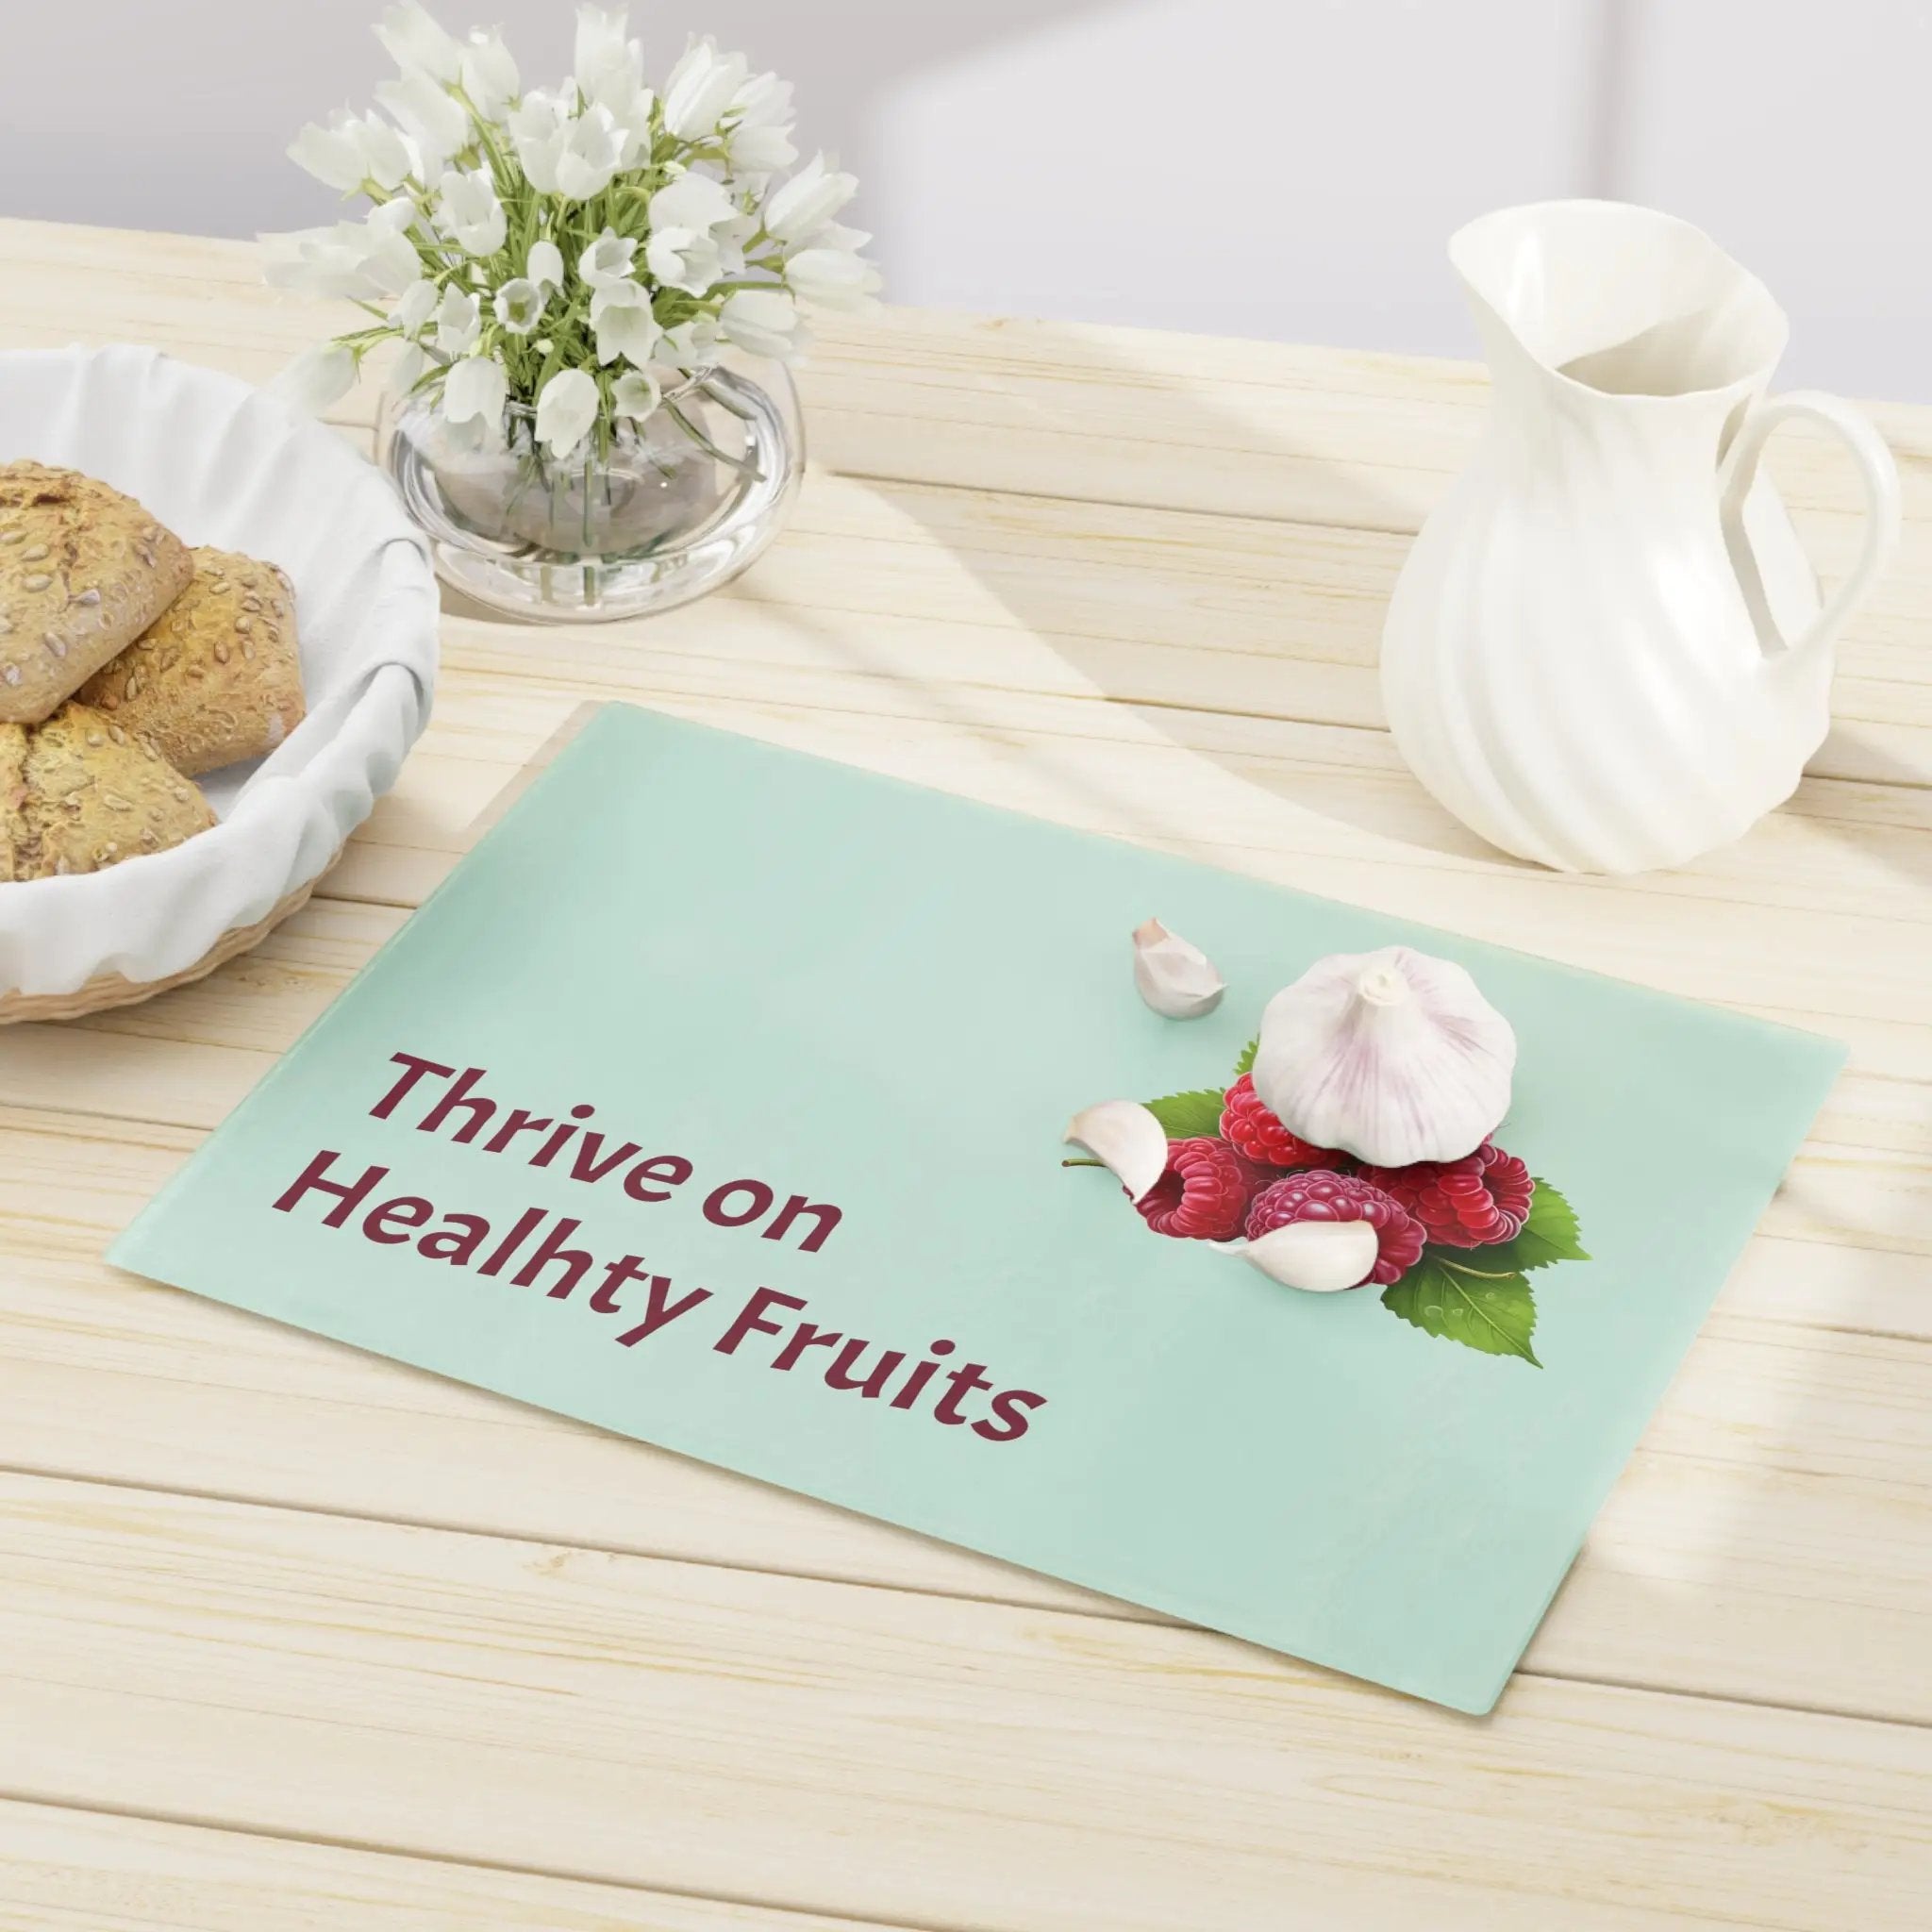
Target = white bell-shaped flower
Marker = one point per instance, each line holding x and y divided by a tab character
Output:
544	265
520	305
468	212
538	127
331	153
417	43
607	259
591	153
428	113
636	394
622	320
799	208
762	320
476	389
758	127
566	407
701	86
832	278
459	320
316	378
489	71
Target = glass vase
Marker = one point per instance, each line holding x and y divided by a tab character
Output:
669	509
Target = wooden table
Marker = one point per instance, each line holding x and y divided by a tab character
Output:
290	1637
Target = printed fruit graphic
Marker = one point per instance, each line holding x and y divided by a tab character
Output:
1469	1203
1246	1121
1450	1244
1325	1196
1205	1192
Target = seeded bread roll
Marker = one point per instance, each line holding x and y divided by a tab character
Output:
13	800
216	676
79	792
83	572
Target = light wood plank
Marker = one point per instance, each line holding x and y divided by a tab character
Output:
1078	410
65	1871
1772	1538
888	583
1201	584
1806	920
1115	415
202	299
1144	771
919	1759
1838	847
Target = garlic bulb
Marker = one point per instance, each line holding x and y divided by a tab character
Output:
1176	978
1394	1057
1126	1138
1319	1257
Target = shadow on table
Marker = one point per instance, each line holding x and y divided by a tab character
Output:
1290	707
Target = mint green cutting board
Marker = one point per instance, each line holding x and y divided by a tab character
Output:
775	969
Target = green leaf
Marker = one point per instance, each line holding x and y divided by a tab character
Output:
1246	1063
1189	1116
1495	1315
1549	1235
1552	1220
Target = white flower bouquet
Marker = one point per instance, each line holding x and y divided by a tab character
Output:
577	254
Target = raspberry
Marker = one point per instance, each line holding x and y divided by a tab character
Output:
1343	1197
1204	1193
1246	1121
1469	1203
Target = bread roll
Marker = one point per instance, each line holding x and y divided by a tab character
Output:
13	801
80	793
83	572
217	677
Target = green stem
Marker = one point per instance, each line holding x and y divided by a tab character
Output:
1477	1273
743	465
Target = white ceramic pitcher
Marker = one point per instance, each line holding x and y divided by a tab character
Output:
1606	651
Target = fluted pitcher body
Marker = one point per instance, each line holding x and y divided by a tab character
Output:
1606	651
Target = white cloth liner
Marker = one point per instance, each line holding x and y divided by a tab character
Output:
221	464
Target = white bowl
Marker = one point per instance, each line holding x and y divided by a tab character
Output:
219	462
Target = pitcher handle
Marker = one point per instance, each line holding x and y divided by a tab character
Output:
1879	475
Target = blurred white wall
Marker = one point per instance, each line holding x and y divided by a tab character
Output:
1284	168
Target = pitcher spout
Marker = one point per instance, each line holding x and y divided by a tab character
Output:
1614	300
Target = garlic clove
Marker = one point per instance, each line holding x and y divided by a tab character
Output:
1394	1057
1126	1138
1176	978
1318	1256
